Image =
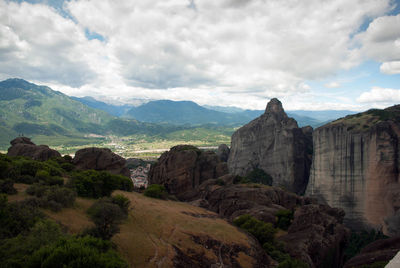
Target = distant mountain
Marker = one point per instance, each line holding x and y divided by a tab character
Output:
116	110
324	115
183	112
38	111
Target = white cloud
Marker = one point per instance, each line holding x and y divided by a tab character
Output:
392	67
215	52
381	42
332	85
380	97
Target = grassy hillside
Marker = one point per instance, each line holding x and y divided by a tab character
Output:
154	227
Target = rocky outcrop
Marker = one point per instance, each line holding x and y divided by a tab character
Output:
274	143
316	235
23	146
185	167
379	251
356	167
100	159
234	200
223	152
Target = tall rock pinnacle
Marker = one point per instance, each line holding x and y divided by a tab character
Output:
274	143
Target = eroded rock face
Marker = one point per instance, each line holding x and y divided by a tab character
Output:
273	142
23	146
227	254
316	235
380	250
100	159
185	167
223	152
356	167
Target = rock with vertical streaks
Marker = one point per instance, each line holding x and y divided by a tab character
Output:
356	167
274	143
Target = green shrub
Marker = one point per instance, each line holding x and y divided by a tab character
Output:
27	179
106	216
16	251
52	197
358	240
284	218
45	177
77	252
91	183
156	191
67	167
7	187
122	202
4	165
16	217
292	263
220	182
259	176
264	232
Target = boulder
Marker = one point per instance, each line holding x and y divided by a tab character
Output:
378	251
185	167
274	143
223	152
23	146
100	159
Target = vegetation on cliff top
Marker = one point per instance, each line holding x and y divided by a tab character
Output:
363	121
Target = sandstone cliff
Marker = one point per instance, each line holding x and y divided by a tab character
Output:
356	167
273	142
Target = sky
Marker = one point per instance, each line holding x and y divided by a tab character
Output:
311	54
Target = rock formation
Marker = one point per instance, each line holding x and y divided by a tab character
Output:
184	167
378	251
273	142
100	159
23	146
223	152
316	235
356	167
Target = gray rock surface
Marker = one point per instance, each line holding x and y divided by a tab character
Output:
356	167
184	167
101	159
273	142
223	152
23	146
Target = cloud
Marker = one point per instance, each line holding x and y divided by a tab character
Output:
381	42
227	43
332	85
392	67
380	96
221	52
37	43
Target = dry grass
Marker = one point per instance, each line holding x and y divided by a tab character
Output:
20	195
74	219
154	225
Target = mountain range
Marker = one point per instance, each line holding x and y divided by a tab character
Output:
40	112
190	113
